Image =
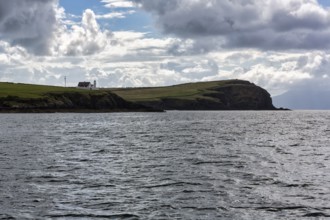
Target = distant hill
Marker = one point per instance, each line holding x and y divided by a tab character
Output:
215	95
304	100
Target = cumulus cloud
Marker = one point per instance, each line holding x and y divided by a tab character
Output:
42	28
28	23
262	24
85	38
117	14
192	69
118	4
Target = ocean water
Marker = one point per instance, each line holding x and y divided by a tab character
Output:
174	165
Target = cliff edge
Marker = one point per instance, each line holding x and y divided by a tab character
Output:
71	102
216	95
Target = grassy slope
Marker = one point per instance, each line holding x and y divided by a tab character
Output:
38	98
189	91
29	91
243	96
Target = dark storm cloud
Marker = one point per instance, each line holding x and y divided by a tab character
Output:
28	23
199	18
271	40
262	24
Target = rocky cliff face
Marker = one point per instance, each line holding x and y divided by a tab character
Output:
236	95
216	95
71	102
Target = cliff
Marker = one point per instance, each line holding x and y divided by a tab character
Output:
216	95
71	102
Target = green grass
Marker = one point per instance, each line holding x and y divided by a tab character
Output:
189	91
29	91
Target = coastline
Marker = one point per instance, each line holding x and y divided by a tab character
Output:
225	95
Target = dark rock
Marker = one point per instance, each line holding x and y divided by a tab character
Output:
72	102
236	95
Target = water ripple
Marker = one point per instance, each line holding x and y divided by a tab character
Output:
176	165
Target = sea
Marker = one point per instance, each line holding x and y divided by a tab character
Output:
172	165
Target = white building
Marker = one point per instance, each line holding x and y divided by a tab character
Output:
87	85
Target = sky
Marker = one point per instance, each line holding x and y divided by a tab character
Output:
280	45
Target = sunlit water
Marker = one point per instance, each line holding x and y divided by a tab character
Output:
174	165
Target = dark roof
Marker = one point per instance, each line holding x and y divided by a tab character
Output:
84	84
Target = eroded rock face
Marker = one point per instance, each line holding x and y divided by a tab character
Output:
244	97
71	101
236	95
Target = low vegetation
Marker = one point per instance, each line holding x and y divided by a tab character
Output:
37	98
30	91
189	91
216	95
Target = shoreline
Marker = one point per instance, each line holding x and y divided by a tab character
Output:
95	111
226	95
